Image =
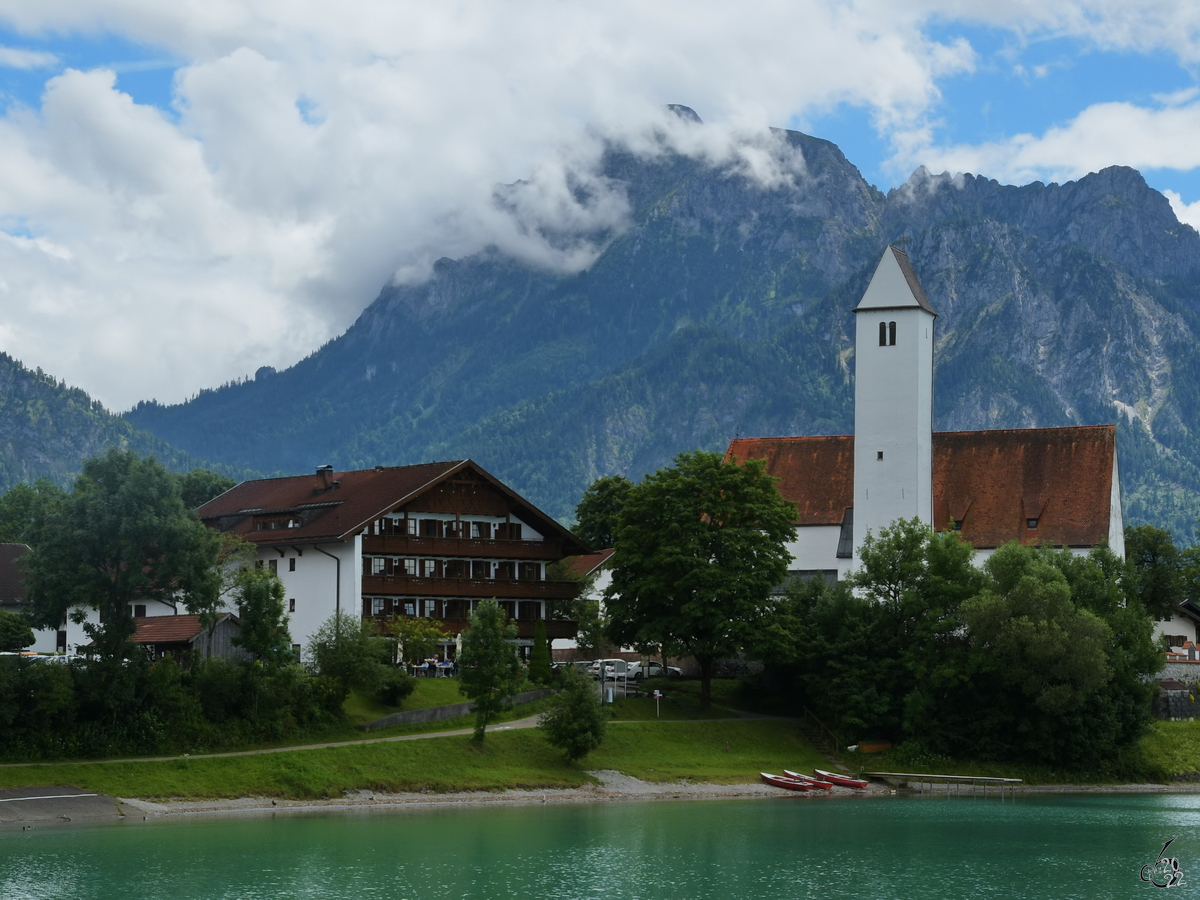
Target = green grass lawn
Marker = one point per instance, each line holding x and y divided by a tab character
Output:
724	752
361	708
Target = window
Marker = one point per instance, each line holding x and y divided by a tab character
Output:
291	604
431	609
529	572
273	565
377	606
481	530
505	570
431	528
1031	523
429	568
139	611
276	524
957	524
410	608
891	334
296	650
879	454
457	568
882	334
410	527
481	568
378	565
408	567
292	564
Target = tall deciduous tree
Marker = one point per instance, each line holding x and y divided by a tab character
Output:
540	671
489	671
15	633
199	486
122	535
1158	568
23	506
699	548
259	595
598	512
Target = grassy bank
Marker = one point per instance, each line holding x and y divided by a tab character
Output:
723	752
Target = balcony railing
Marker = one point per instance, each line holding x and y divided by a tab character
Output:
555	628
414	545
500	588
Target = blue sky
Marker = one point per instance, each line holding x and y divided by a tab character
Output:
189	191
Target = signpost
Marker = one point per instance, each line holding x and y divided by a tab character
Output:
657	711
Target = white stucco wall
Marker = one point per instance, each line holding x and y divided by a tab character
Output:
893	406
47	639
815	547
1176	625
313	585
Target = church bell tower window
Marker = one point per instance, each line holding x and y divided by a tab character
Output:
891	334
882	334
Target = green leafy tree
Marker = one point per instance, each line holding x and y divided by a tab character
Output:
417	638
1157	569
575	722
23	507
199	486
346	650
489	671
540	671
122	535
259	596
699	548
15	633
597	514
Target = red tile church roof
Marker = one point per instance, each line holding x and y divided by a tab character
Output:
993	481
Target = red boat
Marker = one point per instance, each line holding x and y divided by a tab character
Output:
815	782
783	781
841	779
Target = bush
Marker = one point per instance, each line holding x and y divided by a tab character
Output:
394	686
575	722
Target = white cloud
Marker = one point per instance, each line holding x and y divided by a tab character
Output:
1187	213
1102	135
14	58
317	150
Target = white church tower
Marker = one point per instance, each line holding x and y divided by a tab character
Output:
893	399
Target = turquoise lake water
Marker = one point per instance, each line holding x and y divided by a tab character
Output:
1077	846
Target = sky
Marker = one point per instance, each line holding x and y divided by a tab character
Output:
192	190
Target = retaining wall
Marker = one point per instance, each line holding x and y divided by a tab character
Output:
438	713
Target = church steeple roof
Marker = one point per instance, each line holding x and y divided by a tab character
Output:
894	285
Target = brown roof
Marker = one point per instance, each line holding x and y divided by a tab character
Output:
11	588
585	565
167	630
351	500
815	473
993	481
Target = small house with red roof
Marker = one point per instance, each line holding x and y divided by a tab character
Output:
1058	486
183	637
430	540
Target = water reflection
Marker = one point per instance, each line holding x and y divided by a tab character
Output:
1055	846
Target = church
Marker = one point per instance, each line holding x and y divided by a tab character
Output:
1056	486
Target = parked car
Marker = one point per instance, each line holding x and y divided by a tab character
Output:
652	669
612	668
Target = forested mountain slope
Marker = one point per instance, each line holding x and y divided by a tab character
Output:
724	307
47	429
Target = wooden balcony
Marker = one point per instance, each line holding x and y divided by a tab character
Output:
555	628
484	588
410	545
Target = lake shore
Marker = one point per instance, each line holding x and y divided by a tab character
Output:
612	787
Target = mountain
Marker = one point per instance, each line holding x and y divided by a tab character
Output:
723	306
47	429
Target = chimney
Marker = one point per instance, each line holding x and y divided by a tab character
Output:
324	478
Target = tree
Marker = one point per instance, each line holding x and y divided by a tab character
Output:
575	722
1157	566
598	512
346	649
15	633
489	671
699	548
122	535
540	671
199	486
417	638
259	595
23	506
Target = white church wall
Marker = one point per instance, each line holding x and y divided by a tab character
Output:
815	548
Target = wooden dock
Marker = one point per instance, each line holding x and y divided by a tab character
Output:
954	783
